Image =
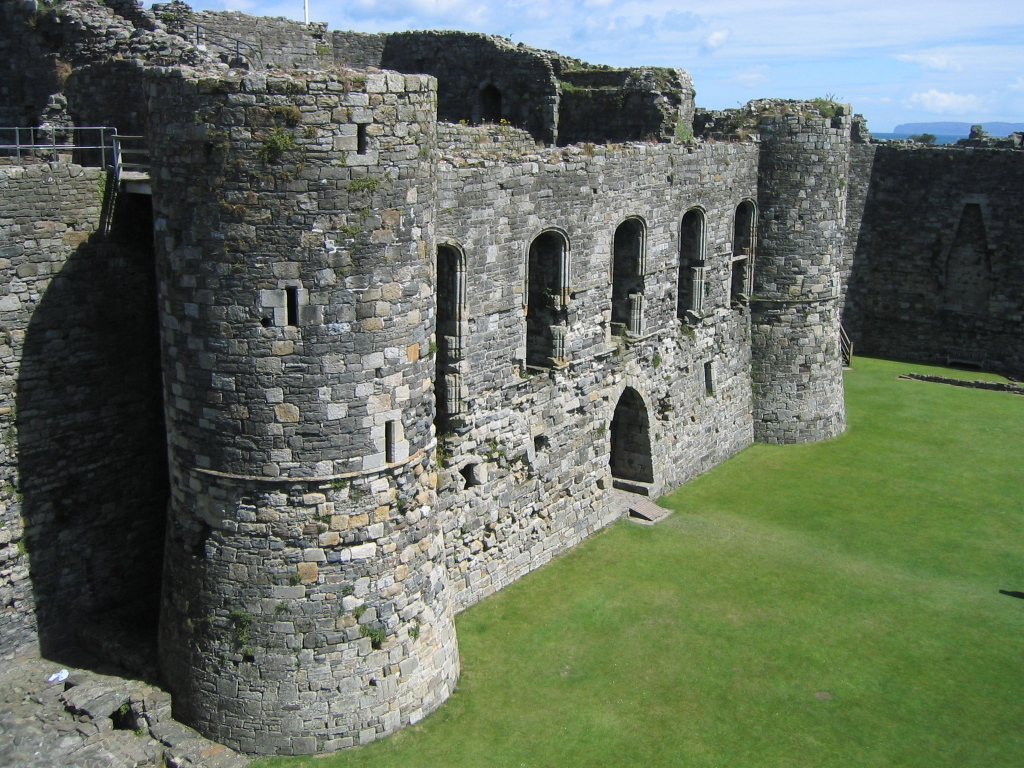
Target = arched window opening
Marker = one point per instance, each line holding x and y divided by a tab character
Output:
547	300
490	104
628	276
690	284
744	228
630	458
451	308
968	267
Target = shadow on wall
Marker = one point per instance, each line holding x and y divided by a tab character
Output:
92	446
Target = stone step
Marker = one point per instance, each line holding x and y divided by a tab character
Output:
646	512
635	487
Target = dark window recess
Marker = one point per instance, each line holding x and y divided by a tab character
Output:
292	305
709	378
390	428
361	138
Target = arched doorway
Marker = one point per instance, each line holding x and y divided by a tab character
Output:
631	440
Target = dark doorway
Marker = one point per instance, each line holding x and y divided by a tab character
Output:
546	314
490	104
631	439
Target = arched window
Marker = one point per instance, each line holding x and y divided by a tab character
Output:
451	310
547	299
690	284
490	104
628	276
744	235
631	439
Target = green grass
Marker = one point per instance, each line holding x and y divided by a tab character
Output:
865	570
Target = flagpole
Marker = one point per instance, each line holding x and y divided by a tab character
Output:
306	6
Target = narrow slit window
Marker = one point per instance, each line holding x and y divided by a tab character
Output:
361	138
292	305
709	378
390	439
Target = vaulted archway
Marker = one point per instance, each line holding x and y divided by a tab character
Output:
631	439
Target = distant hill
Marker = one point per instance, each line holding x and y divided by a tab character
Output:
957	129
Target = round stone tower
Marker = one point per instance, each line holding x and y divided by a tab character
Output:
796	353
306	603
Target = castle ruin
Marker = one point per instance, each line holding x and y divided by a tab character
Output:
381	322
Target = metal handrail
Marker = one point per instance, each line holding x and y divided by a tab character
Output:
52	141
845	347
254	53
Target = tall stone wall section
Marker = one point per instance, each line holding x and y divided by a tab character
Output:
915	256
465	64
796	360
306	606
82	461
527	470
605	106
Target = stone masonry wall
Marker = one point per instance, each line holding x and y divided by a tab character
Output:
465	64
640	104
83	463
527	466
797	368
307	606
913	259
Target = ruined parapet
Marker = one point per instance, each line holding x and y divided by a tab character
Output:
482	78
796	362
605	105
250	42
306	605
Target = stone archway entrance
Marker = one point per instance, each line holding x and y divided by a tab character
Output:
631	442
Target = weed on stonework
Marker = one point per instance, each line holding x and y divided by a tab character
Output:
818	605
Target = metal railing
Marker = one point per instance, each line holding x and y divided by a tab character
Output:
93	146
846	347
227	43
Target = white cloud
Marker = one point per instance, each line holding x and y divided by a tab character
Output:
716	39
752	77
938	61
946	103
1017	86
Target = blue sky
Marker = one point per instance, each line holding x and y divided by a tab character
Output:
896	62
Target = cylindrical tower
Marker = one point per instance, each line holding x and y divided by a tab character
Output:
306	604
796	354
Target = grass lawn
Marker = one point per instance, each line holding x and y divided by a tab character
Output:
832	605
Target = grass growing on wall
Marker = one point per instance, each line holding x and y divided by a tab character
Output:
822	605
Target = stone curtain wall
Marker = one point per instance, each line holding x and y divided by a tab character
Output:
797	367
358	49
465	63
269	42
307	605
526	472
908	266
83	461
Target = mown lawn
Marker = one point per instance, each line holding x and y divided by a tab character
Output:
832	605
